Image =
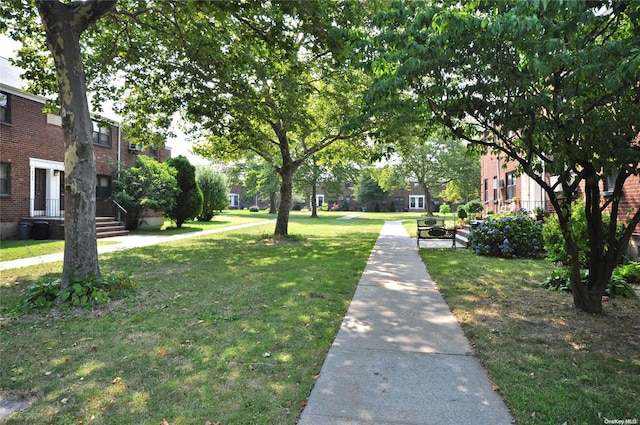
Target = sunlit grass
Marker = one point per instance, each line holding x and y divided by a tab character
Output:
229	328
553	363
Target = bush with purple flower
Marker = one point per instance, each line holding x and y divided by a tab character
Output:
509	236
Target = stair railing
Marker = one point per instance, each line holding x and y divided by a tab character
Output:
120	211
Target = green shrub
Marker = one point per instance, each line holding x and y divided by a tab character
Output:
560	281
629	272
445	209
474	207
254	209
508	237
462	213
189	200
554	241
42	295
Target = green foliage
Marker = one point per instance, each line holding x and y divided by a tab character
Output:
189	199
554	240
368	192
254	208
474	207
445	209
215	191
462	213
561	281
44	294
148	184
629	272
508	237
532	75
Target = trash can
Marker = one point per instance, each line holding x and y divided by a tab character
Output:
24	230
40	230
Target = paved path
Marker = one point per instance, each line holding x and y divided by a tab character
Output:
125	242
400	356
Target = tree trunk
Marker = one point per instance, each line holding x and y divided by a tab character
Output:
63	25
428	201
272	202
286	196
314	207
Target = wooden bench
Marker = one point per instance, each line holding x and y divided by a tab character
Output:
433	228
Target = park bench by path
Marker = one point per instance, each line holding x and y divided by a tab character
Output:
434	228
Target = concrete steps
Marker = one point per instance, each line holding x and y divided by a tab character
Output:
462	236
107	227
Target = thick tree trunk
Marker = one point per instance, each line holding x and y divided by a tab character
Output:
286	196
63	25
428	201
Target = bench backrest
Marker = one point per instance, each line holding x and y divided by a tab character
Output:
430	222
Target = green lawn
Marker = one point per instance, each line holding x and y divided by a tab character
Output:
229	328
552	363
16	249
233	328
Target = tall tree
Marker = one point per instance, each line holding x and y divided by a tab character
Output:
553	85
63	24
430	161
254	77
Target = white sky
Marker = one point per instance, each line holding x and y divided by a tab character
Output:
179	145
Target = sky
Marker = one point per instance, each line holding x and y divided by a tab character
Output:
179	145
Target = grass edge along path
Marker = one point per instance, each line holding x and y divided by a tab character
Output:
553	363
226	328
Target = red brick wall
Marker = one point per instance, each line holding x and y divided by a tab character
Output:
30	136
629	203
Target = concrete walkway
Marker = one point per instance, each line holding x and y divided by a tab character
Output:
400	356
126	242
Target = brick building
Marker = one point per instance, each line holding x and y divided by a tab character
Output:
32	159
502	190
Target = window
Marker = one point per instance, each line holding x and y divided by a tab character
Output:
486	190
103	187
5	179
101	134
5	111
234	200
511	185
416	202
495	188
399	201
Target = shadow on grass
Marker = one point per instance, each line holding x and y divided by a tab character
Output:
228	328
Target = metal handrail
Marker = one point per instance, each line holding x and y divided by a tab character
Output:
120	209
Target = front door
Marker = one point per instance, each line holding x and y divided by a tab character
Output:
40	194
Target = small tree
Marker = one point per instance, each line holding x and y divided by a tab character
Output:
189	199
147	185
215	191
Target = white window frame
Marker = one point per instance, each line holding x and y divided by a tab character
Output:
416	202
234	200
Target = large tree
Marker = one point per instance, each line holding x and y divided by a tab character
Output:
63	24
272	79
553	85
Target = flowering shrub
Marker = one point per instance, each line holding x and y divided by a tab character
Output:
508	236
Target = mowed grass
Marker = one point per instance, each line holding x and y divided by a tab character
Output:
552	363
16	249
229	328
